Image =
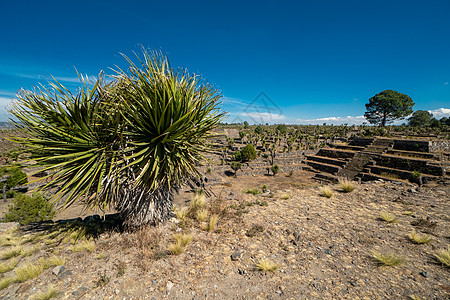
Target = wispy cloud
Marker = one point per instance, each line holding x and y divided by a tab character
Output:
357	120
263	117
6	93
446	82
440	112
233	101
41	77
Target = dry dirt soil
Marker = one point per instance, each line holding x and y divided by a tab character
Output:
322	246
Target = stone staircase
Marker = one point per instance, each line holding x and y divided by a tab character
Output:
363	158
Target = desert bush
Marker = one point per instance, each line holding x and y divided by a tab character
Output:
248	153
16	177
275	169
416	174
235	165
27	209
9	194
253	191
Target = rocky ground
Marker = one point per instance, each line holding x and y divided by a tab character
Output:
322	247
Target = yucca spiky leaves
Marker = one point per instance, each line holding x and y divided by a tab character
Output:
129	143
74	136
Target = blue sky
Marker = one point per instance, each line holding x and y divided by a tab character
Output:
313	61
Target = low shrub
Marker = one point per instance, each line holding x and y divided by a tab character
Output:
253	191
275	169
28	209
16	177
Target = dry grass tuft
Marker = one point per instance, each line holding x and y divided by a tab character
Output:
52	261
10	253
51	292
29	251
347	186
212	223
266	265
202	215
387	259
199	201
326	192
181	214
4	282
443	256
388	217
28	271
8	266
181	240
175	248
8	239
418	238
84	245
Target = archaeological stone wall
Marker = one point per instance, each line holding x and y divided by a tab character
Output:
439	146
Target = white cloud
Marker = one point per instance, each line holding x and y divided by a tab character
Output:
233	101
357	120
446	82
5	101
263	117
440	112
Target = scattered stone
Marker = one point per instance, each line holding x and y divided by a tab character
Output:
424	274
236	256
58	270
64	274
353	283
241	271
80	291
169	285
411	190
327	251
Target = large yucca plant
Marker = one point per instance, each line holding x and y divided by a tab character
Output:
130	143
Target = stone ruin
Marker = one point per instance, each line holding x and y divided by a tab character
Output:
389	159
418	161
